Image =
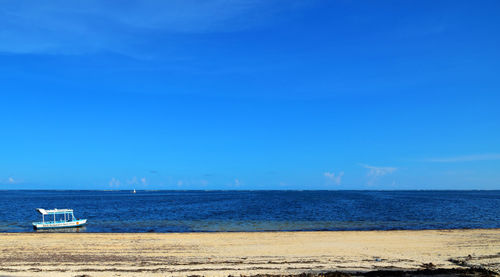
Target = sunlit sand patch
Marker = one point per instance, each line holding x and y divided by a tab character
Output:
223	254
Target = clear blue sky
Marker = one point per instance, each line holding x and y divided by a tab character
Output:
243	94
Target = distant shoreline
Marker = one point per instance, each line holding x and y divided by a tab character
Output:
250	253
250	190
75	230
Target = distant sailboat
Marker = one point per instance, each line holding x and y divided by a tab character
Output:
133	191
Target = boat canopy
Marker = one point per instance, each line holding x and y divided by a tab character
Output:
54	211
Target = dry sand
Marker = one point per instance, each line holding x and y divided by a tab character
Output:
223	254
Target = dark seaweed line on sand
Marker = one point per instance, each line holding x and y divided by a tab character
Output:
462	272
457	272
442	272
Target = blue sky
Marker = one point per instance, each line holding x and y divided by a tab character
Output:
249	94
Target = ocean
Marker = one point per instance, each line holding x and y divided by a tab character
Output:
234	211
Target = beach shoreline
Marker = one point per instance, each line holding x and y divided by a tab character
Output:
246	253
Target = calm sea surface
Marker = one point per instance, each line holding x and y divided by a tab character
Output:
208	211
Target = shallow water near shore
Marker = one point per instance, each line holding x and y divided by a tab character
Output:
230	211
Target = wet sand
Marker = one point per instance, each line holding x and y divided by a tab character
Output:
223	254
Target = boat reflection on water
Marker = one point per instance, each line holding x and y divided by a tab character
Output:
62	230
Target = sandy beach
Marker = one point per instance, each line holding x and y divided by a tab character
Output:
223	254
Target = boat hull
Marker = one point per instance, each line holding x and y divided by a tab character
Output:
54	225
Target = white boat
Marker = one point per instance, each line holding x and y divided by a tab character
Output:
58	218
134	191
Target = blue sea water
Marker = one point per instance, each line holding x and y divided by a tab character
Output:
209	211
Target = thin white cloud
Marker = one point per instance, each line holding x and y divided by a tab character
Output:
69	27
378	171
336	178
466	158
136	181
10	180
132	181
114	182
237	183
